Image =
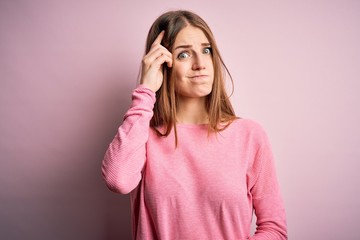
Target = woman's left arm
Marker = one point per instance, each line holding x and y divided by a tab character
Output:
267	201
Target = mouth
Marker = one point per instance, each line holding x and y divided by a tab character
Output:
198	77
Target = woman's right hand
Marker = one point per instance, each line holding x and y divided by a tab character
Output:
152	64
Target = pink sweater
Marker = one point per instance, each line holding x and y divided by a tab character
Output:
206	188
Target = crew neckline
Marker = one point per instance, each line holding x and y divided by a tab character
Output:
192	125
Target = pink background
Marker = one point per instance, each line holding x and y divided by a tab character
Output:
67	71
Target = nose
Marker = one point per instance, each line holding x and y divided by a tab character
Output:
199	62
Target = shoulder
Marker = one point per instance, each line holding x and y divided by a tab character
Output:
249	130
248	125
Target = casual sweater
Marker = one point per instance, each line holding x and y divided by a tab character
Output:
205	188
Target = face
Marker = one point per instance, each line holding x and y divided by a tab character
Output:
192	63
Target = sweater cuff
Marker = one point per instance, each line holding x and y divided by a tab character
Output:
144	95
143	88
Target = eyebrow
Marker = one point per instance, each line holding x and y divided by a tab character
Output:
189	46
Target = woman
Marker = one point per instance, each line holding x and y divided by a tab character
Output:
192	168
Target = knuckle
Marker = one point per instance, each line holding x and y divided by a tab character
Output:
145	61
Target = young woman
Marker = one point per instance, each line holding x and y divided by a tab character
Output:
192	168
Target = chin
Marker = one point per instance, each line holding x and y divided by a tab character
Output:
200	94
195	91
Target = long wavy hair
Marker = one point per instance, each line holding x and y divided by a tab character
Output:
218	105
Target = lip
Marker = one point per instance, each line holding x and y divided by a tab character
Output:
199	77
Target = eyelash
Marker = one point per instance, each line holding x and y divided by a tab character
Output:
209	49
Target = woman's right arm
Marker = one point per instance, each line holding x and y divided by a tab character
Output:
125	157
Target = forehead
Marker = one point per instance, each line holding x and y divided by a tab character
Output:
190	35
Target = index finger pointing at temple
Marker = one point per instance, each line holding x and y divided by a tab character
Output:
159	38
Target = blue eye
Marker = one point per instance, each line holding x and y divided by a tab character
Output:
183	55
207	50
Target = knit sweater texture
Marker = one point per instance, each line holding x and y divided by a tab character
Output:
205	188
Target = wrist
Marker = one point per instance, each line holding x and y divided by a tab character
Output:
150	86
143	85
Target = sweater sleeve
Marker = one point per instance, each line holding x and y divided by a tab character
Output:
125	157
267	201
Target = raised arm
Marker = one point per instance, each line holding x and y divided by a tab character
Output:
126	156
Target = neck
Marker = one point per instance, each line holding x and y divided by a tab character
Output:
192	111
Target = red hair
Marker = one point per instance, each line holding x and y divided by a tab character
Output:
218	105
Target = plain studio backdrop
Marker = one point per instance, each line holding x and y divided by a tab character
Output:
67	70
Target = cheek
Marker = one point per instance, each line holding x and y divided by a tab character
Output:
179	70
210	65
